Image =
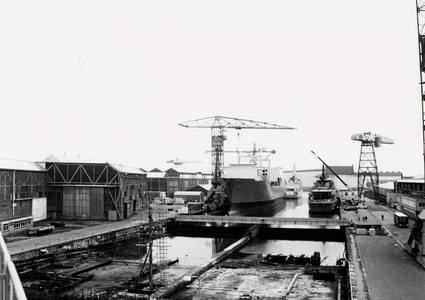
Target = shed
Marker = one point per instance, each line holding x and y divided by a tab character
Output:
205	188
190	196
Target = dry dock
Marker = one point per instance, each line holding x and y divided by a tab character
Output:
225	277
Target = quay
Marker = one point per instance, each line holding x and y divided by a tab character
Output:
379	265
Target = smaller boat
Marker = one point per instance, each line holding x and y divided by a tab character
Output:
294	187
323	197
280	258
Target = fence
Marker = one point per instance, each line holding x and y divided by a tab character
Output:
10	284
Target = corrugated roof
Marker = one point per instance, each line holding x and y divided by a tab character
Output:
156	175
125	169
412	180
21	165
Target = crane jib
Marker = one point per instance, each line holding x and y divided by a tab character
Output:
331	170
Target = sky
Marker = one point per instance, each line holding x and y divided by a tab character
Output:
110	81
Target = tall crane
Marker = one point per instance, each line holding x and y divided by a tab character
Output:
217	125
367	163
420	18
418	233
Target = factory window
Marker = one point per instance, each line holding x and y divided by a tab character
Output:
6	227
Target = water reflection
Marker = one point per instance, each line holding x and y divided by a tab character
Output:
196	251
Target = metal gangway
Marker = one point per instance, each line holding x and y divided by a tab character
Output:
10	283
278	221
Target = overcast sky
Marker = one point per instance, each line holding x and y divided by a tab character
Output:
111	80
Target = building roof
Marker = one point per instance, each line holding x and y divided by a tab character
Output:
21	165
188	193
412	180
203	187
125	169
342	170
387	185
156	175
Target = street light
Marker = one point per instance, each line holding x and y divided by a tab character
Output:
189	279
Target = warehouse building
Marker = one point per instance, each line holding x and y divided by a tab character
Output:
22	195
410	198
172	181
93	191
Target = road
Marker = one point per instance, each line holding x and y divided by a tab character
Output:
389	271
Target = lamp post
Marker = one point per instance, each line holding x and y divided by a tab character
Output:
189	279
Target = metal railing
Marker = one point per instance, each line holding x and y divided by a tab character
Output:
10	283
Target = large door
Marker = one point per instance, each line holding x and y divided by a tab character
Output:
76	202
96	203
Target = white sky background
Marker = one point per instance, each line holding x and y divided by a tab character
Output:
111	80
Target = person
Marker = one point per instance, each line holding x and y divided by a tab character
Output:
382	217
365	218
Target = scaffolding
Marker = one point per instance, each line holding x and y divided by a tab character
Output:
161	247
154	236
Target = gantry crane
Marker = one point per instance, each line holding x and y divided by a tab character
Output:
217	125
367	163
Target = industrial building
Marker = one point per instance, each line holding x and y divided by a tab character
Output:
172	180
69	190
22	195
409	196
93	191
309	177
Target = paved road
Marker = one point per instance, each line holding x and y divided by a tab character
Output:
390	272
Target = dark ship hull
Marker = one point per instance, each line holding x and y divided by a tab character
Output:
249	197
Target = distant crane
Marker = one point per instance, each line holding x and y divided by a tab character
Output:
367	163
217	125
179	162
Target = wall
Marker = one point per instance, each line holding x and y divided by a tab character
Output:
391	198
39	209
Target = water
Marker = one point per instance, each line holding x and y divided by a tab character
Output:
196	251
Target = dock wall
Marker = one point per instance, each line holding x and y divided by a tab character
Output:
196	272
75	243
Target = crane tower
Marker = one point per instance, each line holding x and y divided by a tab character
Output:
420	5
367	163
217	125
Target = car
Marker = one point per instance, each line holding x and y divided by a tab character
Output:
351	208
362	206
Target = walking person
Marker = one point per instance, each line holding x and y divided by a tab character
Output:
382	217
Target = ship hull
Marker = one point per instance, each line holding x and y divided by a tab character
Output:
292	194
323	206
249	197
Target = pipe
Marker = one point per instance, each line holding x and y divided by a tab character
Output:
291	284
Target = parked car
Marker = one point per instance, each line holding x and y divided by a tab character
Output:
362	206
351	208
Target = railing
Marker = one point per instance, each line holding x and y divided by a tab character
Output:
312	222
10	284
